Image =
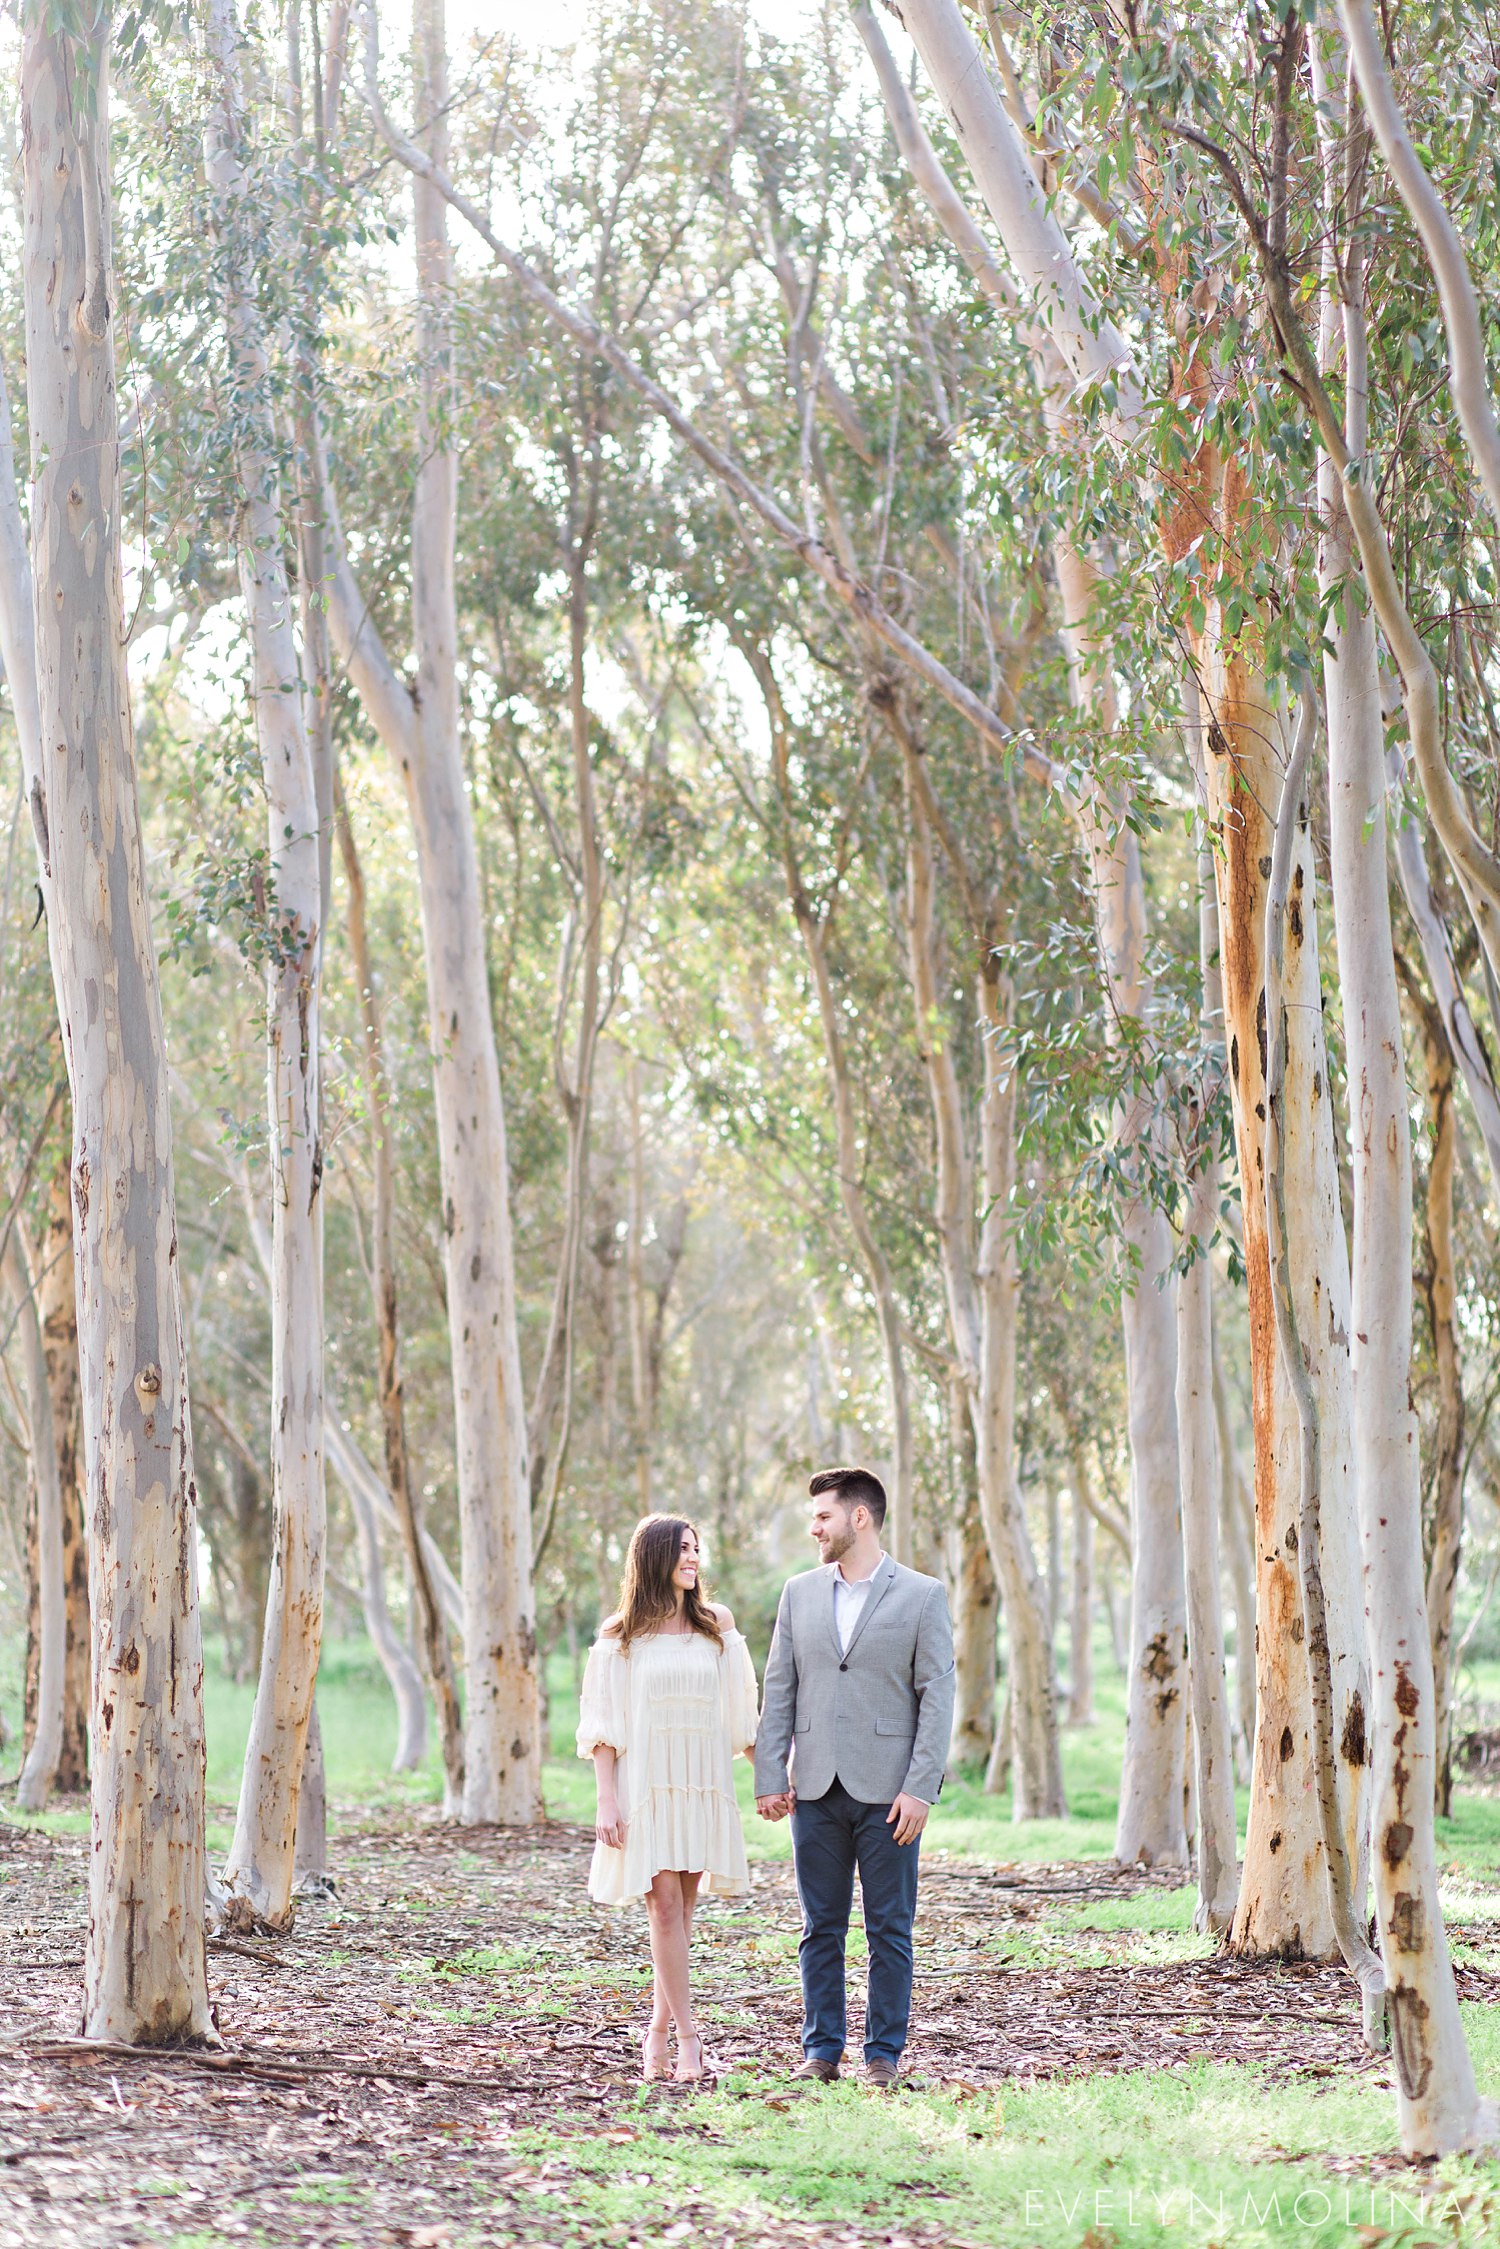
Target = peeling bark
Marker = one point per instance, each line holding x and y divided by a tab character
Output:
144	1968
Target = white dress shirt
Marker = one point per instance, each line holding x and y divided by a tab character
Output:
849	1597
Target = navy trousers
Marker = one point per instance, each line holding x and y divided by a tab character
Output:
831	1836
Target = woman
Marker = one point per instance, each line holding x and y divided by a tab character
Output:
668	1701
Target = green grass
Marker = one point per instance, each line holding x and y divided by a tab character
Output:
1202	2154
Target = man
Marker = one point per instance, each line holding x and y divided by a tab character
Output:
858	1698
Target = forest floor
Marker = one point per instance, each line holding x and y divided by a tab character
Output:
443	2053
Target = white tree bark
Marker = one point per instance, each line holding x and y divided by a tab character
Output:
261	1863
1236	1515
1067	336
39	1771
1438	2102
1468	361
144	1968
1090	344
1081	1614
1284	1901
420	728
1198	1449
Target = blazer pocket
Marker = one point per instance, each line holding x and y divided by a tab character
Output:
900	1729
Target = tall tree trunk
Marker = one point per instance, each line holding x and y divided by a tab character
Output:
1236	1516
812	929
421	730
635	1291
549	1424
260	1866
1070	338
982	1284
976	1596
1197	1437
1438	2101
1345	1873
57	1302
1033	1741
45	1730
1081	1616
145	1980
1284	1903
432	1625
1440	1287
1282	1907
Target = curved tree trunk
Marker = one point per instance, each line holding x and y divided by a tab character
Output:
260	1868
144	1966
1445	1544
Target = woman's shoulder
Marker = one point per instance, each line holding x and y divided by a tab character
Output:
723	1616
609	1631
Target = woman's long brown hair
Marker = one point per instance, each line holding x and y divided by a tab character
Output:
647	1595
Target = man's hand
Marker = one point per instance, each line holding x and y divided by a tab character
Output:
910	1816
776	1807
609	1827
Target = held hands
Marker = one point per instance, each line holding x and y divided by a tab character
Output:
777	1807
910	1816
609	1828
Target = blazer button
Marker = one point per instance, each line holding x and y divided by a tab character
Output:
843	1667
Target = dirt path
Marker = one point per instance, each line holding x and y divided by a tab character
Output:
385	2061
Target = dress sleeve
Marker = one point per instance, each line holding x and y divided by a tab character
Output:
741	1701
601	1710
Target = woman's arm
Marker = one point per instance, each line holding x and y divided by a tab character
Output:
608	1826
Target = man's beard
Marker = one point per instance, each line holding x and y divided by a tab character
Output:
837	1544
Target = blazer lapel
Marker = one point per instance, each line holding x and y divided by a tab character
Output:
884	1579
830	1607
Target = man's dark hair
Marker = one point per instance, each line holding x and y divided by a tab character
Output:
852	1487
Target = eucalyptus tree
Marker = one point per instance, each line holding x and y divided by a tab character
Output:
260	1866
1201	498
421	727
144	1968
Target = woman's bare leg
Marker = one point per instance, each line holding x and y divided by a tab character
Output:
669	1953
689	1900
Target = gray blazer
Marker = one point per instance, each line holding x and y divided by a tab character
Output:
877	1718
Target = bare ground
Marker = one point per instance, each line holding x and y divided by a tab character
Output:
384	2062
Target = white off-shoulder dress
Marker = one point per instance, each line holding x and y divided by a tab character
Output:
676	1710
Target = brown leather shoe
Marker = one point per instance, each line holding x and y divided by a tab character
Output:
881	2076
815	2071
